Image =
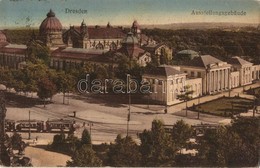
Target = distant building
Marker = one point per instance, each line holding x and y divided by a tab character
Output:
215	73
97	37
161	53
167	82
12	54
245	71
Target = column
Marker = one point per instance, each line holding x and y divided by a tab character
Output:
209	81
226	79
229	78
221	79
217	80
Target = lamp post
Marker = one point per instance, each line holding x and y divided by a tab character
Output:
29	136
199	106
90	125
129	112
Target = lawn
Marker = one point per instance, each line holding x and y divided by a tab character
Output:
223	106
253	91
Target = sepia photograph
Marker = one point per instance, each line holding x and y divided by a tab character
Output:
129	83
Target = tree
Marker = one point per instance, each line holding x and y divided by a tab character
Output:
58	140
64	83
84	157
7	78
157	147
186	96
46	88
124	153
85	138
181	133
16	139
226	147
37	50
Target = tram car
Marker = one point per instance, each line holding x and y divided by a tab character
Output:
65	125
34	125
9	125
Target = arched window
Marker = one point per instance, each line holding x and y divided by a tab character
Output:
196	89
176	93
112	46
163	56
99	46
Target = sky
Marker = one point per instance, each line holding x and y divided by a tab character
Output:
21	13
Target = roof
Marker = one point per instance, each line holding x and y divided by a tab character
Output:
132	51
238	61
97	32
77	53
51	23
164	70
14	48
152	47
203	61
190	52
83	50
130	39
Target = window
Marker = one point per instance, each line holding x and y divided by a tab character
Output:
199	74
181	80
99	46
113	46
192	74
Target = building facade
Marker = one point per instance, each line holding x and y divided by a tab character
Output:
167	82
204	75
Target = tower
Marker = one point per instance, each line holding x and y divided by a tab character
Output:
84	34
136	29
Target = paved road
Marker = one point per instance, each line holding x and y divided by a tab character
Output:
111	119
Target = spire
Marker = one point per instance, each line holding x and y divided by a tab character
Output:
51	13
83	23
108	25
84	29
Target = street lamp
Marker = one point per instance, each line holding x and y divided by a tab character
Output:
90	125
29	136
199	106
129	113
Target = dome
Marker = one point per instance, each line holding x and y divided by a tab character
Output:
130	39
50	24
2	37
187	54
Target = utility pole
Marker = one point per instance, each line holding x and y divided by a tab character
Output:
29	125
90	125
199	106
129	112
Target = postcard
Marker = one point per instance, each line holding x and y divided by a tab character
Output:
129	83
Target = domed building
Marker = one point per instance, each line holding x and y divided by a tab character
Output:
51	31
